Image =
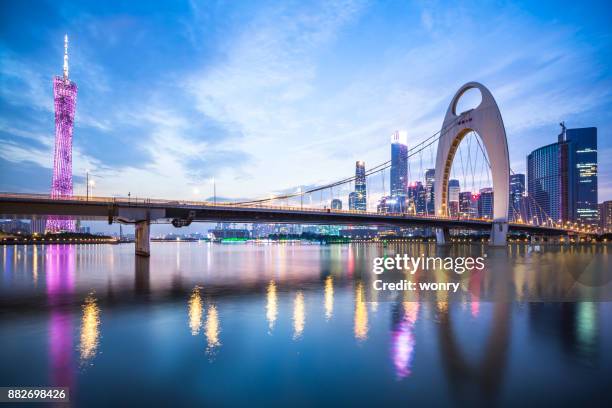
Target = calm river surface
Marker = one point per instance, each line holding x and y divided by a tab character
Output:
295	325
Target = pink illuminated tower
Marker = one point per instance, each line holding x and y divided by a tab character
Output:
64	95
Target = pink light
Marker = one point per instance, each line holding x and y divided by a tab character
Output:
64	94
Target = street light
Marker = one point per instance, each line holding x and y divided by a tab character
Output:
89	184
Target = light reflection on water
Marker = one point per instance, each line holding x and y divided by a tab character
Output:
90	329
271	305
82	301
299	315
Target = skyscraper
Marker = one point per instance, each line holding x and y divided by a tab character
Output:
467	205
361	202
485	203
544	183
516	209
336	204
562	178
581	174
399	164
64	95
453	197
430	176
416	198
605	216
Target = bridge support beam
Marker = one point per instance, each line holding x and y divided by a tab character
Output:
143	238
499	232
442	236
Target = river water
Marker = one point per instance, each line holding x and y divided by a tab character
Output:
301	325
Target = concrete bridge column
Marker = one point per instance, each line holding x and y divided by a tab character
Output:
442	236
143	238
499	232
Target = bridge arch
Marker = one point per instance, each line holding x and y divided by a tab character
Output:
486	120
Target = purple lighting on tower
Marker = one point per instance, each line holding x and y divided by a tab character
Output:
64	95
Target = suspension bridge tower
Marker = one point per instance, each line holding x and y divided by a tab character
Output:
486	121
64	95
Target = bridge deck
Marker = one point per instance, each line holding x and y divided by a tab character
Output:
129	210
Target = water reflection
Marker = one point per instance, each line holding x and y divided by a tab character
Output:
195	311
90	329
271	305
299	315
361	313
59	274
35	265
402	337
329	297
469	341
212	330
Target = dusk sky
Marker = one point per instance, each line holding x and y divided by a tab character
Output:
265	96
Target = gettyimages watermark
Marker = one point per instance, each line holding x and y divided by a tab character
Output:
532	276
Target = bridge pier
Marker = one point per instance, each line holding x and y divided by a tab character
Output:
442	236
499	232
143	238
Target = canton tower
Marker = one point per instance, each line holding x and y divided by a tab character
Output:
64	96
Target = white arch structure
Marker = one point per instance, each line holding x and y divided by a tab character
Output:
486	120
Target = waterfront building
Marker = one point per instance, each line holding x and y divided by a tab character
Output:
544	183
38	225
605	216
581	165
336	204
562	178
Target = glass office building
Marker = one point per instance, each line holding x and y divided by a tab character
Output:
544	185
581	174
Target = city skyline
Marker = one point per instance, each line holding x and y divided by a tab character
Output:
143	144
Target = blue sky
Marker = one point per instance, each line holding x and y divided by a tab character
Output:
266	96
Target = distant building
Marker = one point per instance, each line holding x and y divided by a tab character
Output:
605	216
359	233
416	200
15	227
228	233
485	203
352	199
336	204
37	225
516	209
391	204
360	199
453	197
430	176
262	230
399	164
468	205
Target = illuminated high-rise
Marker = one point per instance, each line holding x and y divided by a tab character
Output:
361	201
581	174
64	95
430	177
399	164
